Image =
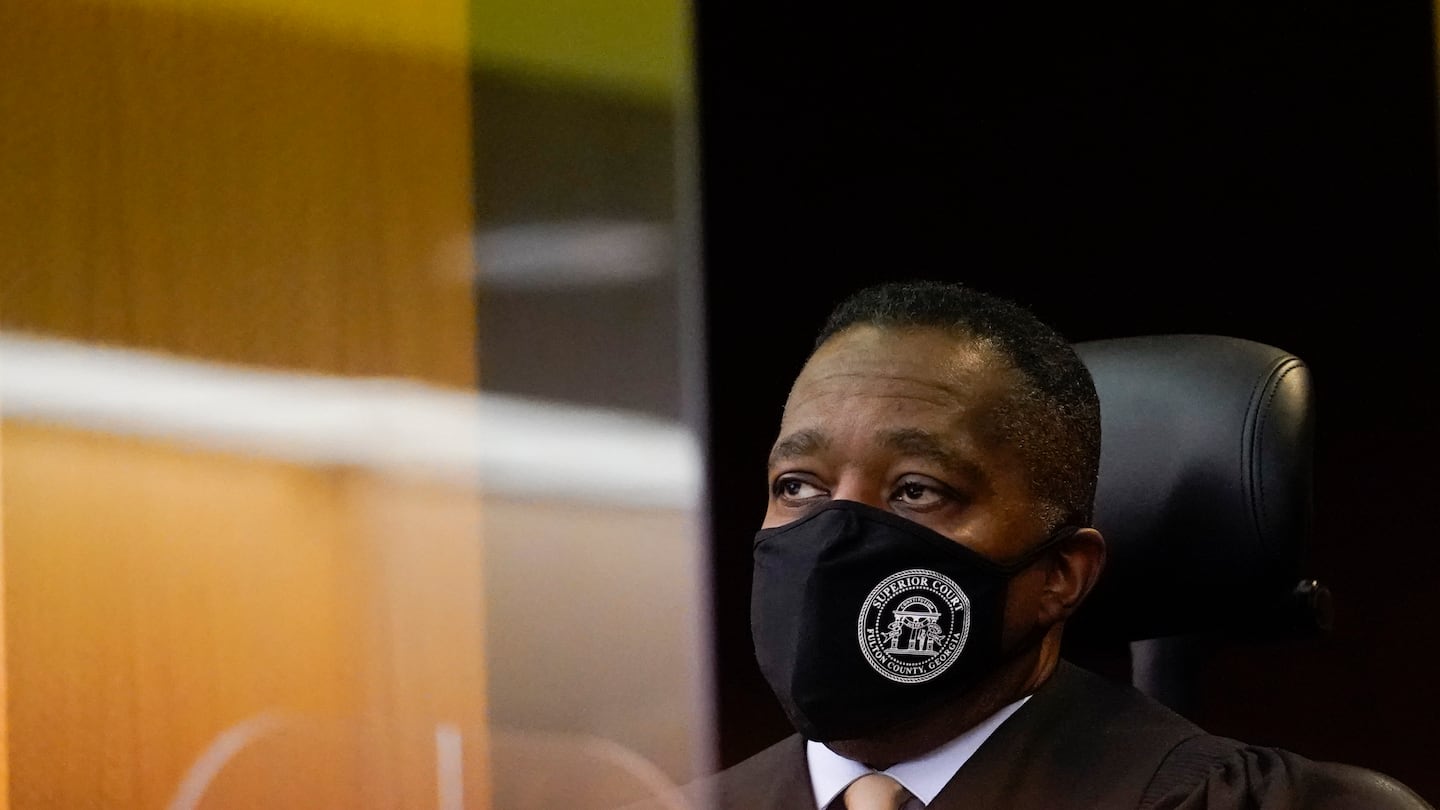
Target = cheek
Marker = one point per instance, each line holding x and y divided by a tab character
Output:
1022	604
778	514
773	518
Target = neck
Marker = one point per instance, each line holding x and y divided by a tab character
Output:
1017	677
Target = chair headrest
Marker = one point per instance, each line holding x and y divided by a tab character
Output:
1205	488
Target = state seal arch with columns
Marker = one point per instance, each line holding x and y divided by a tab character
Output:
913	625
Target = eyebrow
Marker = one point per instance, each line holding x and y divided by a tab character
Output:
907	441
927	445
804	443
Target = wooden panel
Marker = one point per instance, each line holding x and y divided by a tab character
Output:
236	181
191	630
267	183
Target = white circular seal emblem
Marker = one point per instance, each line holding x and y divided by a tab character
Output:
913	625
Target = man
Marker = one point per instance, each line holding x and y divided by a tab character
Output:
926	539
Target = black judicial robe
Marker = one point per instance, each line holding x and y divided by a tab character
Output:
1084	741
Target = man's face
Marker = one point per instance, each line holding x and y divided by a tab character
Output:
905	420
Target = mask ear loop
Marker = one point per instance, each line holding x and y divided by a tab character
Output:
1035	634
1028	558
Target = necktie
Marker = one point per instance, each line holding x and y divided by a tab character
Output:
875	791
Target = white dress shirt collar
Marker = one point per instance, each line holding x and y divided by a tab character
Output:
924	776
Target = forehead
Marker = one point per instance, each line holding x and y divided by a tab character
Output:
876	381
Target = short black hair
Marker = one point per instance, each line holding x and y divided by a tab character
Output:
1054	420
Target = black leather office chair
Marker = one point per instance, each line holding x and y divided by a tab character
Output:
1205	501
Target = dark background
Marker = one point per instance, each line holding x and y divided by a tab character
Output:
1262	170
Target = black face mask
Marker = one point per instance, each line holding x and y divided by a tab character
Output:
863	619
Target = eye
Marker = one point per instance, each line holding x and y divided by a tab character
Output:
916	494
793	489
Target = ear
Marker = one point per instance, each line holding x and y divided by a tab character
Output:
1075	565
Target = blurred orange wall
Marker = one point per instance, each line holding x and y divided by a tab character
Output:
267	184
241	181
163	600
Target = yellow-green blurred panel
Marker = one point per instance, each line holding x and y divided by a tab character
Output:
632	46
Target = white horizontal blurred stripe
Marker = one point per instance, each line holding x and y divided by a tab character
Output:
579	253
500	444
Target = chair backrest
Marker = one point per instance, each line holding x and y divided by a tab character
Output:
1205	501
